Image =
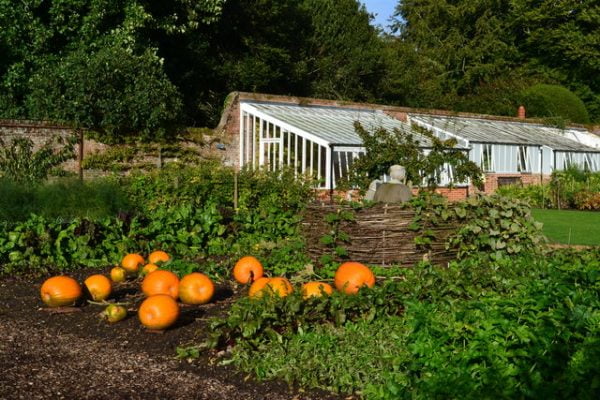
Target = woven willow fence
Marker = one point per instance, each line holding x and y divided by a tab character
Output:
379	235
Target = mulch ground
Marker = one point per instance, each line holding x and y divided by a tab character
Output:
76	355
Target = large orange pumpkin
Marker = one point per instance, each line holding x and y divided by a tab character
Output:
158	312
351	276
158	256
247	269
60	291
131	262
161	282
257	287
279	286
316	289
99	287
196	288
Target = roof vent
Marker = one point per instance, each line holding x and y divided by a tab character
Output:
521	113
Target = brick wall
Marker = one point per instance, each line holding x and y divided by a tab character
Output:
39	132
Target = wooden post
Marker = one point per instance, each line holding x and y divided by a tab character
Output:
80	153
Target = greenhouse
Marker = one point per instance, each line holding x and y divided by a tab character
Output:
506	147
321	141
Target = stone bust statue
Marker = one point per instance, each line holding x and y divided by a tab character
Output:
396	190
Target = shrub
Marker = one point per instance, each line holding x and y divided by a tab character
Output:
554	101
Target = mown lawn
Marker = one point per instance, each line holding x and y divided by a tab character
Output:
570	227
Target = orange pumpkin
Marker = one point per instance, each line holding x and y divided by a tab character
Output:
351	276
316	289
279	286
158	256
158	312
161	282
60	291
131	262
247	269
196	288
257	287
118	274
148	268
99	287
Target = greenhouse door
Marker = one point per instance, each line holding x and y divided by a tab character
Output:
270	154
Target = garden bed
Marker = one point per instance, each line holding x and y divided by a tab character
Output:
77	355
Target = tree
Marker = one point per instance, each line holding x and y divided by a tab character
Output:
117	95
403	147
486	51
344	54
72	43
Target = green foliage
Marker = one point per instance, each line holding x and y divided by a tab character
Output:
537	196
572	188
111	91
491	226
347	57
385	149
524	326
554	101
187	212
254	322
63	199
485	52
496	226
336	238
20	163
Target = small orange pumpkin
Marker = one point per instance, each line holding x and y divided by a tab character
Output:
196	288
158	312
316	289
131	262
257	287
158	256
247	269
148	268
161	282
279	286
99	287
351	276
60	291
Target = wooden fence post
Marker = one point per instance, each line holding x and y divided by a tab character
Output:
80	153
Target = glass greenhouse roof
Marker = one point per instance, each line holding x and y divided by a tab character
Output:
503	132
333	124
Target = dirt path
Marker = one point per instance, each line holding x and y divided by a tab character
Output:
77	356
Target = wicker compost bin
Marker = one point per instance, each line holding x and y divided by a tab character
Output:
379	235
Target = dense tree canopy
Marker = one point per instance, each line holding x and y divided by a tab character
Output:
487	51
140	68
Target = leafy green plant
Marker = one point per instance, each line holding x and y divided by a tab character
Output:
523	326
491	225
336	238
19	162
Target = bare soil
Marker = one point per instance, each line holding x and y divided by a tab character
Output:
76	355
